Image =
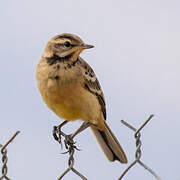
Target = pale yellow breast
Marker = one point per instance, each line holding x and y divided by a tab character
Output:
66	96
59	94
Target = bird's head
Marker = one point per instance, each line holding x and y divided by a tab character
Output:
65	46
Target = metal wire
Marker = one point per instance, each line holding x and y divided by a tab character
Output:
70	145
138	153
4	169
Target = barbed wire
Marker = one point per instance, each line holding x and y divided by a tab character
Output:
138	153
4	169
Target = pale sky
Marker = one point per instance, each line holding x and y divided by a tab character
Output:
136	59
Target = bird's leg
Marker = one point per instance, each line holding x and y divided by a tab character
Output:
57	133
69	142
84	126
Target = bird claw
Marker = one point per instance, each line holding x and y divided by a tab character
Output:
77	148
57	133
68	142
65	152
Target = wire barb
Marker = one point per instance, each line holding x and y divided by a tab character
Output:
137	136
5	158
70	146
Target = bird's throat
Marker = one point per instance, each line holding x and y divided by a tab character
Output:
55	58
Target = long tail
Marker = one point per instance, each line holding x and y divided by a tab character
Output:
109	144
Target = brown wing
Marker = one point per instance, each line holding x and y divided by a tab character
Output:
92	84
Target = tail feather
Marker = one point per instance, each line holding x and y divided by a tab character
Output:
109	144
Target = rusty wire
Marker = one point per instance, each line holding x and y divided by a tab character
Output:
70	145
5	158
137	136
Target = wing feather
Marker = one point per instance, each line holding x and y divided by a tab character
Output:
91	83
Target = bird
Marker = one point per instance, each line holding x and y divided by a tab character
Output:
70	88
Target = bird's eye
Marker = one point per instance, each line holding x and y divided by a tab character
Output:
67	44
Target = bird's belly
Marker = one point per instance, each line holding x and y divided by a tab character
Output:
66	112
70	100
63	99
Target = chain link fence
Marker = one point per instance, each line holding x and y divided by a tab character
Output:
70	146
4	168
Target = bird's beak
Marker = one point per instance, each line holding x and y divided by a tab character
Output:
86	46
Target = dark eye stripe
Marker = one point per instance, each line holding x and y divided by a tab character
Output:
62	44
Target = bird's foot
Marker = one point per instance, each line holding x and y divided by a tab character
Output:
57	134
69	144
68	141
